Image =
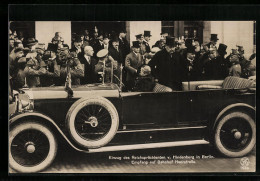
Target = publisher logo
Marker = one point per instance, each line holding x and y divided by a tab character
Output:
244	162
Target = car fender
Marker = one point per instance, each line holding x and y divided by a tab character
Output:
233	106
20	117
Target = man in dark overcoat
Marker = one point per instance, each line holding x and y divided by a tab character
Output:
166	66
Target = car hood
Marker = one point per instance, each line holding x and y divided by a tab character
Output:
58	92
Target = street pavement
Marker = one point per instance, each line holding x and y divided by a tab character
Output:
199	158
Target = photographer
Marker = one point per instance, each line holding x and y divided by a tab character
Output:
69	64
51	66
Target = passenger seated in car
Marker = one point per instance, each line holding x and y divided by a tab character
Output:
145	82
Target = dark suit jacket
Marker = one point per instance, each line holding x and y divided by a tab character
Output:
124	47
96	47
167	69
89	71
116	55
132	63
74	49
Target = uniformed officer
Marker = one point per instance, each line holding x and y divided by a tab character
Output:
105	65
132	61
147	37
235	69
33	70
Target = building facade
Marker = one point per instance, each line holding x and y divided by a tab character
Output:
231	33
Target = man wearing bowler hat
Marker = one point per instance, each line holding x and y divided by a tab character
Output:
166	66
132	62
140	38
147	37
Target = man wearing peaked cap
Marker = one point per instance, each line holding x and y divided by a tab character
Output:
132	61
166	65
105	61
147	35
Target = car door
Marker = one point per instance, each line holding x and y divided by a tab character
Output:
150	109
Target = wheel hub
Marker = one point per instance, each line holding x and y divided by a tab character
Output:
30	147
93	121
237	134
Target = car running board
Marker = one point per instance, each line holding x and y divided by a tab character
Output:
148	145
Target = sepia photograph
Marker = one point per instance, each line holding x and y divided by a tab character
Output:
132	96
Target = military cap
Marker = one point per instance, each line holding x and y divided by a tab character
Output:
240	48
136	44
147	33
164	32
155	50
40	46
102	53
234	51
19	49
22	60
30	62
214	37
138	36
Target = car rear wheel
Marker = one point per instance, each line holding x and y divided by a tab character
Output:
32	147
92	122
235	134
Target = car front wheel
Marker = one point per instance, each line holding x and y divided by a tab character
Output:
32	147
92	122
235	134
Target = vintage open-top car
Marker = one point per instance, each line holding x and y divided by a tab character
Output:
101	118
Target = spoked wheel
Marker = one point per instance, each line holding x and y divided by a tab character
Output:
92	122
32	147
235	134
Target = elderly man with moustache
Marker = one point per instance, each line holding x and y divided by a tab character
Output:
89	66
166	65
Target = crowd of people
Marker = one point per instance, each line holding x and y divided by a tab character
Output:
169	62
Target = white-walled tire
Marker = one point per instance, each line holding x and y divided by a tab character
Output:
32	147
92	122
235	134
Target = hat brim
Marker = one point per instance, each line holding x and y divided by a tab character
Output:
31	44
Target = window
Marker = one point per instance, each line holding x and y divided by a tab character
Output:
168	27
